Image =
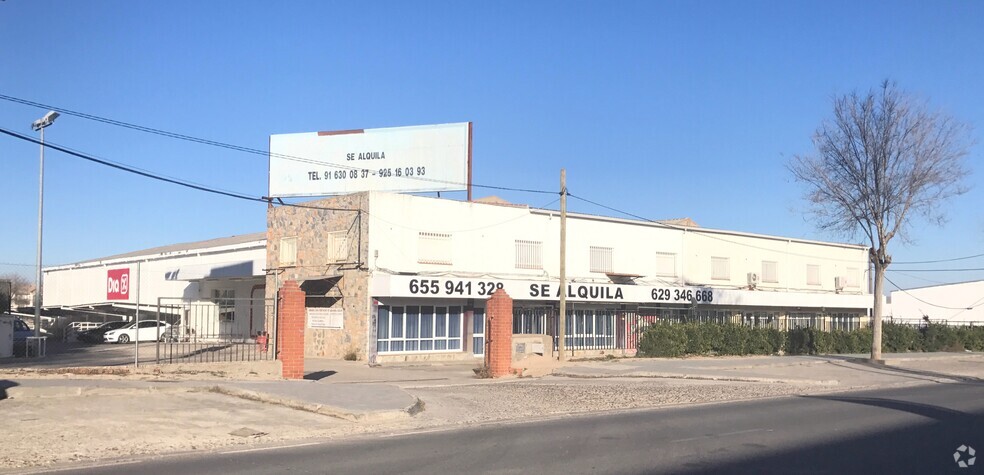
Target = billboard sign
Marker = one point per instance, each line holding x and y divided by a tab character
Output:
118	284
399	159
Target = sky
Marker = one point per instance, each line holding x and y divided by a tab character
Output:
659	109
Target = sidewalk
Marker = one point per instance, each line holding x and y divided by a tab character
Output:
848	371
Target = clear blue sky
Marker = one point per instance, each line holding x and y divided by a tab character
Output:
663	109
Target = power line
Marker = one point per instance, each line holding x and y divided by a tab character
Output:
968	269
174	181
240	148
940	260
971	307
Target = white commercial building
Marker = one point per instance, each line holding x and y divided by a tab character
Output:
406	277
224	277
954	304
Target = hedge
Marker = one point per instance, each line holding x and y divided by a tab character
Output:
671	340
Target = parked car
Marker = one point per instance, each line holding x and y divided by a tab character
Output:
95	335
21	333
149	330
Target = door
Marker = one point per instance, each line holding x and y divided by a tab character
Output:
478	332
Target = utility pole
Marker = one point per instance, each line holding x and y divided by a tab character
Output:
562	318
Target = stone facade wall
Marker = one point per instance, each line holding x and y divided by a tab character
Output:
311	227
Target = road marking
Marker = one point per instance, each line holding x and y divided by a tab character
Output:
260	449
724	434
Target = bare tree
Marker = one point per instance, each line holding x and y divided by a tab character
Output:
884	158
20	287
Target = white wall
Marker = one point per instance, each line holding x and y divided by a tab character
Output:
941	302
483	242
85	283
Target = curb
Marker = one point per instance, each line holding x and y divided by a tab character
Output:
324	409
47	392
739	379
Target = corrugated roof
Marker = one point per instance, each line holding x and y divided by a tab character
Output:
187	246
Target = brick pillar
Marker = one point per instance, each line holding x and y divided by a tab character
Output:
498	332
290	330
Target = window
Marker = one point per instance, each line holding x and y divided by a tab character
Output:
845	321
338	246
589	329
666	264
600	259
434	248
227	306
288	251
529	254
852	278
720	268
418	328
770	271
812	274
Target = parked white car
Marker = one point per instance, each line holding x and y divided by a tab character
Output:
150	330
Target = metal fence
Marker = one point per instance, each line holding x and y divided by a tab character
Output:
233	329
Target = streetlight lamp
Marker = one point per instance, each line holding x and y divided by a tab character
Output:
39	125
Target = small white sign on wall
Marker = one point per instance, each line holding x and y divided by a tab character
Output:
325	318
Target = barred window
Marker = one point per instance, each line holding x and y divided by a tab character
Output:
600	259
338	246
434	248
770	271
529	254
720	268
812	274
666	264
288	251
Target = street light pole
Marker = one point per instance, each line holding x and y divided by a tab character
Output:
40	125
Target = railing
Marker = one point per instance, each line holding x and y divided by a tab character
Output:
217	330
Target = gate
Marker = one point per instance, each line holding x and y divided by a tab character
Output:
232	329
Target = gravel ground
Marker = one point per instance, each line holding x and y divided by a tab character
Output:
554	396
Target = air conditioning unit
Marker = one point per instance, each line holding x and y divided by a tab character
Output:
753	279
839	283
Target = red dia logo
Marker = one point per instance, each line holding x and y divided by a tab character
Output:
118	284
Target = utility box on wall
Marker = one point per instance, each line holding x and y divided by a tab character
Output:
6	336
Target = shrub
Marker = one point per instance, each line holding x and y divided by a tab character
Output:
972	338
698	342
936	337
821	342
663	340
797	342
714	336
758	342
900	338
733	340
862	340
777	340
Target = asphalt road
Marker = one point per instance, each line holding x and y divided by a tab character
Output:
910	430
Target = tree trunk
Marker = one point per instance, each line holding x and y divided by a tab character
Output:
876	323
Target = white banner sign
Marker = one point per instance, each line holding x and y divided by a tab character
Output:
321	317
385	285
399	159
